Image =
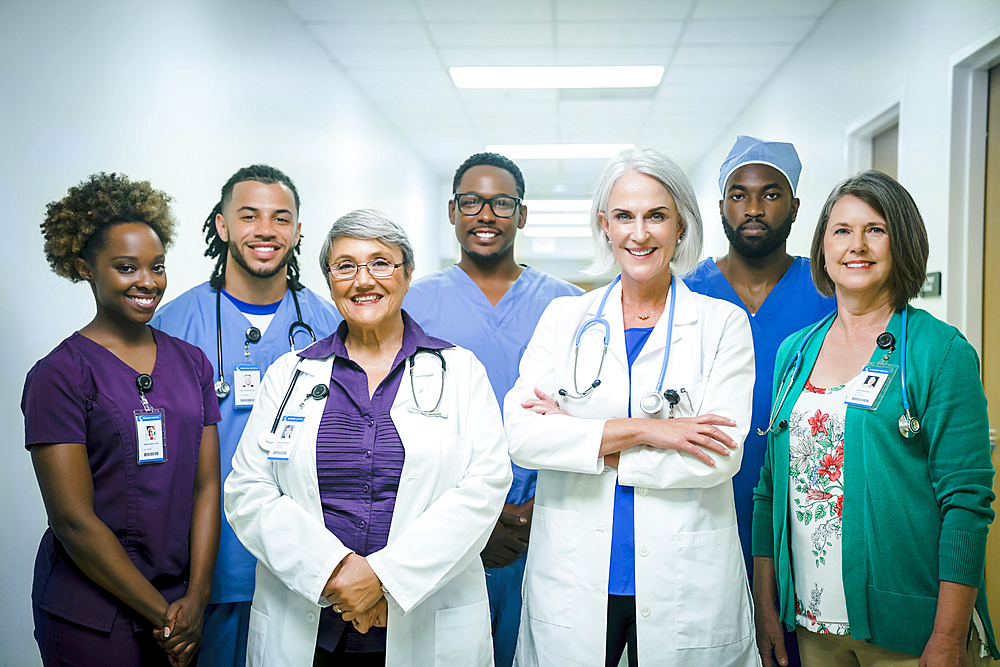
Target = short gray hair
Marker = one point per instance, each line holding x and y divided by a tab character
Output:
656	165
368	224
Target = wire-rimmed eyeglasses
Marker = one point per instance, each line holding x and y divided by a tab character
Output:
503	206
377	268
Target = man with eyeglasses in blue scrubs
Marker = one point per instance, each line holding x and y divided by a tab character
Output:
490	304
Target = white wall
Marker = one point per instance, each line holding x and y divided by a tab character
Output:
864	56
181	93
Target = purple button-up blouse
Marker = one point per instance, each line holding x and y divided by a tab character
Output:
359	459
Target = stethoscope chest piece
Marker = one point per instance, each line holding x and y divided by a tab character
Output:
266	440
908	426
222	388
651	403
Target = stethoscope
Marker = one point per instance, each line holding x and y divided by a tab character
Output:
321	391
222	387
909	426
652	402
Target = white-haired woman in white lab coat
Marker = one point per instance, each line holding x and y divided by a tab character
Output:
378	502
634	540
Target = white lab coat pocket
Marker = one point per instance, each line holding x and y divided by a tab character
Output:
257	638
552	559
691	399
462	635
713	603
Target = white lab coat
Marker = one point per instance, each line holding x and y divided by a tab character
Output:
454	480
692	601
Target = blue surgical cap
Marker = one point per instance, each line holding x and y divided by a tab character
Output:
750	150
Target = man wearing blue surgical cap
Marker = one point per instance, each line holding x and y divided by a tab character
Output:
758	180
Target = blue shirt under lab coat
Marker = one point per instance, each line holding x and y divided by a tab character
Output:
191	317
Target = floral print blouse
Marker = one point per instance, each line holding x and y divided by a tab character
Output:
816	500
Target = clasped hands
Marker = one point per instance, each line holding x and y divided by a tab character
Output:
355	592
180	635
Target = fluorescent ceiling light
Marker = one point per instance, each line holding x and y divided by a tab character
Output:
557	205
557	151
551	232
626	76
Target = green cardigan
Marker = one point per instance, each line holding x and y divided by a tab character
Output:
916	511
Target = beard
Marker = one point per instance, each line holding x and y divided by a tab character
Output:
760	246
266	272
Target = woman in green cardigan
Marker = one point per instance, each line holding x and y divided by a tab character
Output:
870	518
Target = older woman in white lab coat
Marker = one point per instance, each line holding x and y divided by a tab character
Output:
377	423
634	538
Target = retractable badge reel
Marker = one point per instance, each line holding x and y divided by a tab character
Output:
150	443
246	375
868	387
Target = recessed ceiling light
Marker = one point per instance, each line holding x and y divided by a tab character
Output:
624	76
556	151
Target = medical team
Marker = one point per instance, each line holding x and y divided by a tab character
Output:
371	513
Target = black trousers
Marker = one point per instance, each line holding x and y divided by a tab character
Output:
621	631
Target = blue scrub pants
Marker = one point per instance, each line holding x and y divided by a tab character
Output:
504	588
224	637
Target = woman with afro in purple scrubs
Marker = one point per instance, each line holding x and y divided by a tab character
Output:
120	422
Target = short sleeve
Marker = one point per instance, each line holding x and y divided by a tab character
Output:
210	402
54	403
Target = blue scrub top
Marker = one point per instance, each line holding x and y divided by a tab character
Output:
792	304
191	317
449	305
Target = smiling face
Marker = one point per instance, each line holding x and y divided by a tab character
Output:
260	226
368	303
643	225
127	275
856	249
484	236
758	210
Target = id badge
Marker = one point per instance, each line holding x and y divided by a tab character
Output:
246	383
288	432
868	386
149	436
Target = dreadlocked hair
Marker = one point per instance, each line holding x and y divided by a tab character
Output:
219	249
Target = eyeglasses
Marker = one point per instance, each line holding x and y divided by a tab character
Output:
503	206
377	268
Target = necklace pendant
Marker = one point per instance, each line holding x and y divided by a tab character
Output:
642	317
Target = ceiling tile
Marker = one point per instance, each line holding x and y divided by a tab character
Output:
700	55
499	57
607	55
715	76
462	12
368	35
732	9
631	34
638	10
365	59
760	31
476	96
510	35
354	10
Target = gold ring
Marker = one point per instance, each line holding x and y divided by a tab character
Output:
337	609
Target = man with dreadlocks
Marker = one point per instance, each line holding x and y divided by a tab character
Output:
243	319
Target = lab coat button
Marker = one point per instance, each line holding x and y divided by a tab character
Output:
311	492
643	491
644	611
600	529
643	551
311	617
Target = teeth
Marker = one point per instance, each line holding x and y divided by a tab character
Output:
142	300
366	299
486	235
641	253
858	265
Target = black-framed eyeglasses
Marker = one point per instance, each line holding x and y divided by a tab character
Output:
503	206
377	268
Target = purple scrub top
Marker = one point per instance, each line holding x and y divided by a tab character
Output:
82	393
